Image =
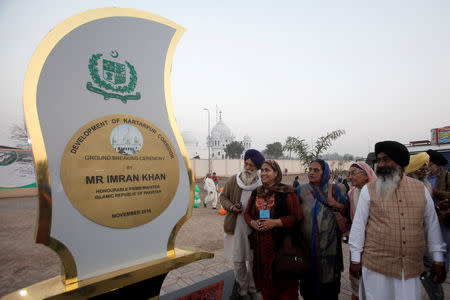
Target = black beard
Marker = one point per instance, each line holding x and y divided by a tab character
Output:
385	173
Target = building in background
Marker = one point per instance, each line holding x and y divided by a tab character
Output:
221	136
439	141
193	146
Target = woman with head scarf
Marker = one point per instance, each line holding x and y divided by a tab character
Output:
271	208
322	233
360	174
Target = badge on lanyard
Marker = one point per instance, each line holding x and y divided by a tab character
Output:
264	214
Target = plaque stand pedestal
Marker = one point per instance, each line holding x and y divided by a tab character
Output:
137	282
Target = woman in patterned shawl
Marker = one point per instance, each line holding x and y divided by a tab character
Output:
360	174
321	231
271	207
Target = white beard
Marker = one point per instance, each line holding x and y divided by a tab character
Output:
385	185
248	177
424	180
432	169
415	176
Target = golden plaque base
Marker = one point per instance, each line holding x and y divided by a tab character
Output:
143	280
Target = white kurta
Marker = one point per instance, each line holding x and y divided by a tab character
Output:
211	191
237	246
374	285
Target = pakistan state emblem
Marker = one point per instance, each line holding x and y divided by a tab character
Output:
115	80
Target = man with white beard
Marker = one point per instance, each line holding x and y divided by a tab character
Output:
234	198
394	223
418	168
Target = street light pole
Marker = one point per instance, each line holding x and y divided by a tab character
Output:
209	142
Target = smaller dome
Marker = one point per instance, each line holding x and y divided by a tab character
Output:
189	138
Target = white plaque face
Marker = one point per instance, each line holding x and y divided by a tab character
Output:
113	175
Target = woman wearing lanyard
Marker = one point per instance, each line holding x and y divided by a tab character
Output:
272	206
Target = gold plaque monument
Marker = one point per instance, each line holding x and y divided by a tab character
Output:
122	174
114	179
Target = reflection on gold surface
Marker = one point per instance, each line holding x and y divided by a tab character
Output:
69	275
167	72
43	227
55	289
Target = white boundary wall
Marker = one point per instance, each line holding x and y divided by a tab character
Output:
229	167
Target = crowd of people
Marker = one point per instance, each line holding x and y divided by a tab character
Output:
287	239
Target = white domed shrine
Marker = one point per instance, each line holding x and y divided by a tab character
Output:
221	136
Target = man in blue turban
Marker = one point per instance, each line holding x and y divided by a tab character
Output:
234	199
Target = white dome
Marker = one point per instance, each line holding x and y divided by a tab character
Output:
189	138
220	130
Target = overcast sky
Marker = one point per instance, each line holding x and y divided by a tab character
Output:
377	69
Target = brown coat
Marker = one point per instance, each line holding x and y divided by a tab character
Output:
395	238
230	195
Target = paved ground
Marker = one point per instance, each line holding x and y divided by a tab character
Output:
24	263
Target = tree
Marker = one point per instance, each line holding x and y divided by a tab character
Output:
307	153
348	157
234	149
19	134
274	150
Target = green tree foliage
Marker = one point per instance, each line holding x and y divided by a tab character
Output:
307	153
234	149
274	150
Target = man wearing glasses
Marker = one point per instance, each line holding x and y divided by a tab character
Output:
394	223
418	168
